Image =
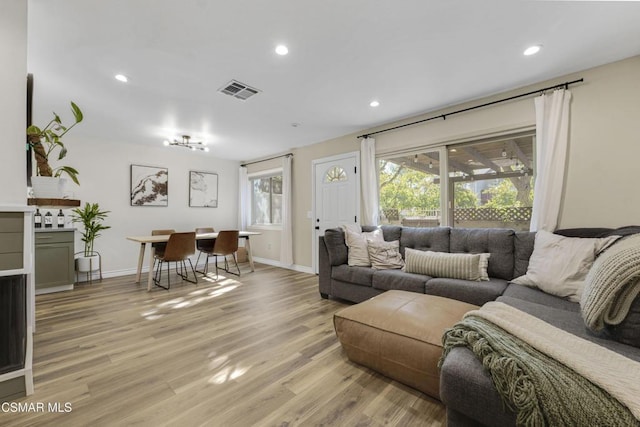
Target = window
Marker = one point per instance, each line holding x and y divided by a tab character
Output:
266	200
489	184
410	189
335	174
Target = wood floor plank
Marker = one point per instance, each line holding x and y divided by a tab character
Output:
258	349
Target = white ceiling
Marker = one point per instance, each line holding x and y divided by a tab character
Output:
411	55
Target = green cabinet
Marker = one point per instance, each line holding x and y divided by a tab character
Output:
54	260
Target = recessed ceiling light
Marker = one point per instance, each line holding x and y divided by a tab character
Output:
282	49
532	50
374	103
121	78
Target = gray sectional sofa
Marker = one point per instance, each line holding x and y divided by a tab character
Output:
465	387
510	252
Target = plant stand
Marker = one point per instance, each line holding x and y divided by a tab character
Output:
88	265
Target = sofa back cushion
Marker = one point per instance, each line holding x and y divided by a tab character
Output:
391	233
425	239
495	241
523	242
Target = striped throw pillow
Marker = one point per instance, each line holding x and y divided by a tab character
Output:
443	264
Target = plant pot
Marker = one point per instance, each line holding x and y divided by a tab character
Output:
48	187
87	264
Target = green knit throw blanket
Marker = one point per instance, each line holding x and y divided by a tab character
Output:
539	389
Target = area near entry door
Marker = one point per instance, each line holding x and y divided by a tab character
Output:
336	195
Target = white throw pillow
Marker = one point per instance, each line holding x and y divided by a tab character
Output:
443	264
385	255
358	254
483	267
559	265
354	228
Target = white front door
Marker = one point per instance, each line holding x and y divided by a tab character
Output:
336	195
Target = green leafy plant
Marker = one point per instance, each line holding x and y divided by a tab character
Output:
91	218
44	141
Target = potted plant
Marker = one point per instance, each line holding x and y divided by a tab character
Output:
44	142
91	218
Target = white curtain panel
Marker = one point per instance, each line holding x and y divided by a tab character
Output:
286	242
552	140
369	181
244	200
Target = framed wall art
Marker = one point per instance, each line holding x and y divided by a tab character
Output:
203	189
149	186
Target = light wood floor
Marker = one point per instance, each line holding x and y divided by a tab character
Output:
255	350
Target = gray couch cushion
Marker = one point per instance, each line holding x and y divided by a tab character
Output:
362	276
572	322
599	232
336	246
425	239
396	279
496	241
476	293
391	233
534	295
523	243
628	331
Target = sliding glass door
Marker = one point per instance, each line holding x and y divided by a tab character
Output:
410	190
484	183
491	183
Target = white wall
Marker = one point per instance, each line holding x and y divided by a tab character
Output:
104	168
13	101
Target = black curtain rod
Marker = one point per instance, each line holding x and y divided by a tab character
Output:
444	116
265	160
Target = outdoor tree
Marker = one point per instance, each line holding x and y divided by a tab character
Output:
404	188
515	191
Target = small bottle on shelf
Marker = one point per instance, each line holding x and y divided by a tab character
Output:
48	220
37	219
60	219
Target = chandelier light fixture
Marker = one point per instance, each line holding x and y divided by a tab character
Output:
187	143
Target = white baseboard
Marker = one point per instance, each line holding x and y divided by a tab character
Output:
54	289
294	267
145	268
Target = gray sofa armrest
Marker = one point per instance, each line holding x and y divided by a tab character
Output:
324	269
336	246
465	387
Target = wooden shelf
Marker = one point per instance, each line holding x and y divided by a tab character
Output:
54	203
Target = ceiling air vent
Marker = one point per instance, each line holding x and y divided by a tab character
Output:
238	90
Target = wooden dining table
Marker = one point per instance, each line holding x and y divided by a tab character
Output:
143	240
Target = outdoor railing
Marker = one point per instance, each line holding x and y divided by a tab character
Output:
508	214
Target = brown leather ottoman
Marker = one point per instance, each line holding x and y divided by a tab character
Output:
399	334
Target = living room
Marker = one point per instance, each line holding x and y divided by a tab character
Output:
598	189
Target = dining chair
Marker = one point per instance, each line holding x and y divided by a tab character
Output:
226	244
205	246
160	246
179	247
